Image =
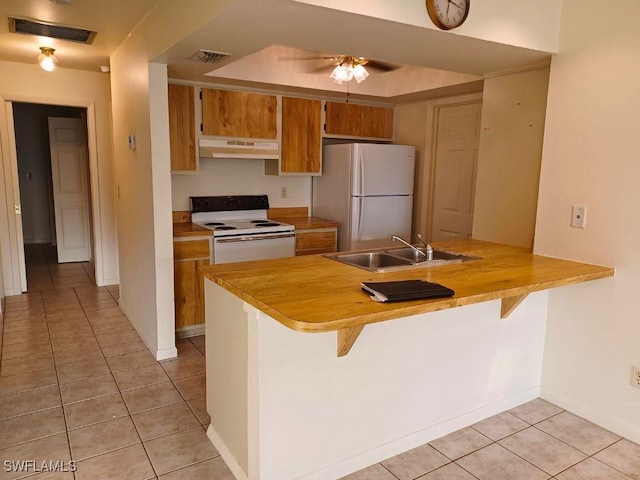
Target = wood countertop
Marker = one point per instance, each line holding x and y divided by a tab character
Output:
317	294
307	223
189	229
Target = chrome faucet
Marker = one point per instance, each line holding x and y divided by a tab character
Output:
427	248
428	253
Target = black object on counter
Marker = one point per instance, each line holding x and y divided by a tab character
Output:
405	290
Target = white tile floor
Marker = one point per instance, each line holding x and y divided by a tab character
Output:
76	382
537	440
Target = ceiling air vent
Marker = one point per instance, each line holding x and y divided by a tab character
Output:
34	27
208	56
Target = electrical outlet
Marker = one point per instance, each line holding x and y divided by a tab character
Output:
635	376
283	192
578	216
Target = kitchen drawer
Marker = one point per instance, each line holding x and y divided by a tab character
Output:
315	240
192	249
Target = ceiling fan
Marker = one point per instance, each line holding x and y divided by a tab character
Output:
345	68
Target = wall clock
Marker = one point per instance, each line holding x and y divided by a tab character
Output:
448	14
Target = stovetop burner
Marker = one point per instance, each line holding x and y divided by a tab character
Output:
234	216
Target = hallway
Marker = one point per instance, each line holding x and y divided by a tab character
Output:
77	383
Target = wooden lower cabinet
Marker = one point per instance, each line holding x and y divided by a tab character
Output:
321	240
189	282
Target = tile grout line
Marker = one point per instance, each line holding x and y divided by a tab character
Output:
496	442
44	409
55	369
119	392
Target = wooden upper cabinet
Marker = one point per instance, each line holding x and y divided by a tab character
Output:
359	120
182	130
227	113
301	135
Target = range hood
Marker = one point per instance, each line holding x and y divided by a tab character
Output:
215	148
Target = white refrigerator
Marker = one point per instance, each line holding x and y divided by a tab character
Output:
368	188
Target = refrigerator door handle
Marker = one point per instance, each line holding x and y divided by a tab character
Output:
358	216
361	172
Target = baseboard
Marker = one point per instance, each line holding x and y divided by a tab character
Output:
191	331
226	454
420	437
624	429
107	282
166	353
159	354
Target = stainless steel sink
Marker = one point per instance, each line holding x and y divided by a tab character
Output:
390	260
372	260
414	256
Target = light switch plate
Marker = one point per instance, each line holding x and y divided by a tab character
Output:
578	216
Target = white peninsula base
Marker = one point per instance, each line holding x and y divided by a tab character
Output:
283	406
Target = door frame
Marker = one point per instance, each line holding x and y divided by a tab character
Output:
425	222
17	265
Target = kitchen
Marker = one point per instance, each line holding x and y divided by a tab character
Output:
606	396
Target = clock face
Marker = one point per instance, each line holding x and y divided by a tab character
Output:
448	14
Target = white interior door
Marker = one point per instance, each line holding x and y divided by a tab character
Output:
456	167
70	189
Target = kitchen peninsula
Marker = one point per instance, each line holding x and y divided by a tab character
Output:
284	404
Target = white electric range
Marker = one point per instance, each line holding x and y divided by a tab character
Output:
241	229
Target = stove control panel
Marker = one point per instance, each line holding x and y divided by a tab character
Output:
229	203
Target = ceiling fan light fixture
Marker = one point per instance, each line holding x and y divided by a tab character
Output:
342	73
360	73
47	59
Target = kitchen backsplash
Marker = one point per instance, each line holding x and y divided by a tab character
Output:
239	177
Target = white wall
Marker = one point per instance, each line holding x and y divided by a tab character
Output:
590	158
513	112
143	178
239	177
144	219
411	129
521	23
29	83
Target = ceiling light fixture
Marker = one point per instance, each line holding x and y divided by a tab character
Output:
47	59
349	68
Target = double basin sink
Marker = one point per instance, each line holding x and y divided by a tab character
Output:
395	259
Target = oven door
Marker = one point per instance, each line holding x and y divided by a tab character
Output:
244	248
